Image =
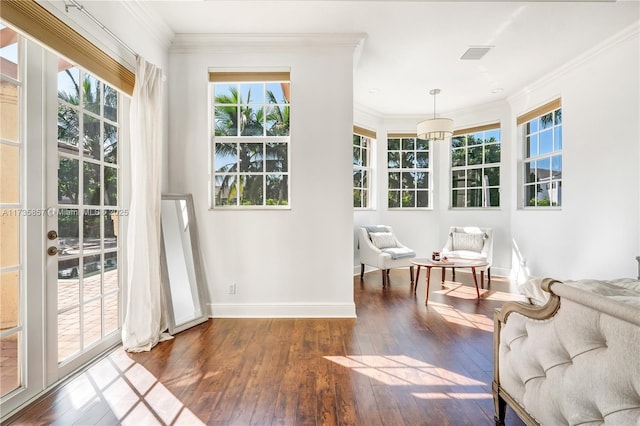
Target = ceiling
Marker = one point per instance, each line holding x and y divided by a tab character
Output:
414	46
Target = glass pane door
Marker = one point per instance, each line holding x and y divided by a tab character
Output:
12	353
87	211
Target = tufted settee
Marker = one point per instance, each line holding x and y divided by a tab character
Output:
573	361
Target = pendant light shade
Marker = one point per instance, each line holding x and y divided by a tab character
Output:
435	128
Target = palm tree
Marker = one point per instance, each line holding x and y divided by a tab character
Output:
233	180
277	115
69	121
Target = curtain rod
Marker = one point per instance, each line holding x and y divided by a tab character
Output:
81	8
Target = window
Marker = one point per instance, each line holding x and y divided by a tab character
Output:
475	167
250	133
409	172
88	206
362	139
542	133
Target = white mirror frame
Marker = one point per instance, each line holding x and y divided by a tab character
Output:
199	310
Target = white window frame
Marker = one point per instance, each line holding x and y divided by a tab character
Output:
479	133
86	210
363	141
401	191
239	140
530	129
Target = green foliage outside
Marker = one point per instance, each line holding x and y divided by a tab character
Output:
72	169
255	173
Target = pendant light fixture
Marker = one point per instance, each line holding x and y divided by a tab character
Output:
435	128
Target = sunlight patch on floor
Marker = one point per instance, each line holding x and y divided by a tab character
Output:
402	370
454	316
452	395
134	395
81	393
506	297
456	289
461	291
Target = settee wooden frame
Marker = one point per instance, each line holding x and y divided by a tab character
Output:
500	317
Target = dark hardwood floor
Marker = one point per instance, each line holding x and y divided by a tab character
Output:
399	363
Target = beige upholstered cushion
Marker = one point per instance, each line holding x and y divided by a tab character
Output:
382	239
466	241
579	367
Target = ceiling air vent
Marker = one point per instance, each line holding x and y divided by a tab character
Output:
476	52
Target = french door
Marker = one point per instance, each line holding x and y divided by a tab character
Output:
65	269
83	229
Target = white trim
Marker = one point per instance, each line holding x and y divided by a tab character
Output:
151	21
281	310
238	43
622	36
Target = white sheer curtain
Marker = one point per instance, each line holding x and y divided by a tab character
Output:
145	320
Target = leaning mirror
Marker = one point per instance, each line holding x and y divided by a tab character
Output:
183	276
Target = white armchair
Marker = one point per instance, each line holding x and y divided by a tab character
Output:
470	243
379	247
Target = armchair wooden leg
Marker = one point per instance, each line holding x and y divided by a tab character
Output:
489	276
384	277
453	273
411	273
361	270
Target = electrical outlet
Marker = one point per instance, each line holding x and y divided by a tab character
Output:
232	288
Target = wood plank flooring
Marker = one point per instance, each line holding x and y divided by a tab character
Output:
399	363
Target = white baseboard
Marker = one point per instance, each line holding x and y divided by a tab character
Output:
356	269
287	310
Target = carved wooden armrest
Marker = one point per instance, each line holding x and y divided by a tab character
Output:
532	311
500	317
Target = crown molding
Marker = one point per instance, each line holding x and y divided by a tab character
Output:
225	43
368	110
620	37
150	21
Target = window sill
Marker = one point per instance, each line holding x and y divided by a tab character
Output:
402	209
540	208
249	208
477	209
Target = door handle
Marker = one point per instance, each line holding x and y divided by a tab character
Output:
53	250
52	235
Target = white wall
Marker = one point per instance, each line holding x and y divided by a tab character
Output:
284	263
596	232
